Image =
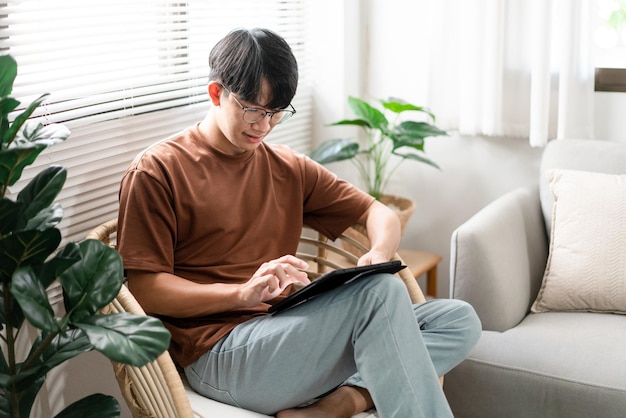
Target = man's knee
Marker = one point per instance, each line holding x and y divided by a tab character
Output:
452	314
389	285
466	320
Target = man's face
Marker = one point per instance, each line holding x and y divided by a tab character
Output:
239	135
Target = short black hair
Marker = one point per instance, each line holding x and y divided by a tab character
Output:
244	57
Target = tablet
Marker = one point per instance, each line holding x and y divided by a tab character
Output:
332	280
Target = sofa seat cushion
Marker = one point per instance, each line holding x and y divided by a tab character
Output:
552	364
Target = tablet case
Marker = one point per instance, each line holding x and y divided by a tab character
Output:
332	280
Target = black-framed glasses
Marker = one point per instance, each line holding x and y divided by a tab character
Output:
254	115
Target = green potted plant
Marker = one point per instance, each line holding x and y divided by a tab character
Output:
388	142
89	272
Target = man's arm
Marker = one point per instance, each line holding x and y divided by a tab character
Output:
171	295
383	229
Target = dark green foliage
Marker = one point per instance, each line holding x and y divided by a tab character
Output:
90	273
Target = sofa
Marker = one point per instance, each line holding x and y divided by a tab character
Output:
545	269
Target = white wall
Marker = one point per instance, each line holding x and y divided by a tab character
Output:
610	122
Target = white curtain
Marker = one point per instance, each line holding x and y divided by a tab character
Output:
514	68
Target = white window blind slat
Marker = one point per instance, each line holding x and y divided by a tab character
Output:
123	74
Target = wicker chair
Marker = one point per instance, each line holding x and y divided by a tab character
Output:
158	390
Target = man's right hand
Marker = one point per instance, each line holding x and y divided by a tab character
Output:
272	278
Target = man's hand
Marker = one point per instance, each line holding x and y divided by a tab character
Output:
372	257
272	278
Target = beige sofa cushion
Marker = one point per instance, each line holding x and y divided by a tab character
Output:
586	269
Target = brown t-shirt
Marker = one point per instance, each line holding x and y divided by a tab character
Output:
187	209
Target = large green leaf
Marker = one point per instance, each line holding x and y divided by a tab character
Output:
364	110
8	105
33	299
418	130
92	282
41	191
416	157
93	406
65	346
9	215
14	160
400	140
62	260
5	381
41	360
47	218
26	248
353	122
20	120
8	72
335	150
398	106
127	338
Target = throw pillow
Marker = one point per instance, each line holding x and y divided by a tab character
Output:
586	268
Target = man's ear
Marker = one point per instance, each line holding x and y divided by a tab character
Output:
215	92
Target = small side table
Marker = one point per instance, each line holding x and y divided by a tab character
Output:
420	262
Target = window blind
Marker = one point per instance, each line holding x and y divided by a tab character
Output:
123	74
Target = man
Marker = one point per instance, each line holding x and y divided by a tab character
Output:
209	221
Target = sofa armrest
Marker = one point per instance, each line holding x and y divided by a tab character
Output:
498	258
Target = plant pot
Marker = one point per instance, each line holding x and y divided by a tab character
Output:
402	206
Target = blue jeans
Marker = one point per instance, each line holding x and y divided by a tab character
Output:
365	334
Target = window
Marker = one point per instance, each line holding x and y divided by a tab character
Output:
123	74
609	22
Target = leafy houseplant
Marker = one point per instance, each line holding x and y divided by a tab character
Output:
90	273
388	142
